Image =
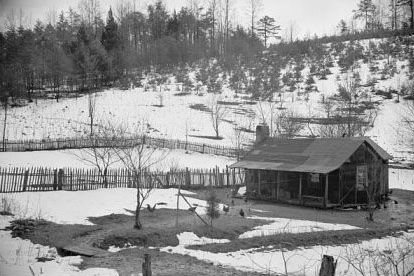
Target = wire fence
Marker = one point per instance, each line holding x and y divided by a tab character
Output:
19	179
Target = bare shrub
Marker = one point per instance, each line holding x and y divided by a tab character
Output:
286	125
397	259
213	207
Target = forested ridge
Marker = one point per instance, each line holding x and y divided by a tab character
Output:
82	51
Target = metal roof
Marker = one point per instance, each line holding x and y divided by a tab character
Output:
318	155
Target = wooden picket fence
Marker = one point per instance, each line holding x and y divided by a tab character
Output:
18	179
87	142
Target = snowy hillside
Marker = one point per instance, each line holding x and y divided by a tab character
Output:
174	114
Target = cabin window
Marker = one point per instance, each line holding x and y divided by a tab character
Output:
315	177
314	183
362	177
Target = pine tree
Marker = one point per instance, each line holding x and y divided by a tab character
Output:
268	28
310	82
343	28
110	38
366	10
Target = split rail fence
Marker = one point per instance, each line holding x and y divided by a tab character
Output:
87	142
18	179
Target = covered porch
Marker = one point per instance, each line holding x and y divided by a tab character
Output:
303	188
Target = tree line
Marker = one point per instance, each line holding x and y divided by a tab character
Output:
81	51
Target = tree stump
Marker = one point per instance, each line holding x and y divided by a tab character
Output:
146	265
328	266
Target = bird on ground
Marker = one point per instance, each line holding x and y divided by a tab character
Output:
245	199
151	209
395	202
232	202
226	209
192	209
241	212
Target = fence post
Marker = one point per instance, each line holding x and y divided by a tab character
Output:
187	177
328	266
60	179
146	265
227	176
25	180
55	179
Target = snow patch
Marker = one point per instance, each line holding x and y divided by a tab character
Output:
283	225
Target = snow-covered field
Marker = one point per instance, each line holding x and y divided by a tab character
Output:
401	179
74	159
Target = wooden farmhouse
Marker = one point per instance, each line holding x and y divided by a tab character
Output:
321	172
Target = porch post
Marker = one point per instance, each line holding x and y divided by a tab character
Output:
340	186
300	186
326	189
260	188
278	185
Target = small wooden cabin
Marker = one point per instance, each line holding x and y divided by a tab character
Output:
322	172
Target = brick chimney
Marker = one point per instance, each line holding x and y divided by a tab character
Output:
262	133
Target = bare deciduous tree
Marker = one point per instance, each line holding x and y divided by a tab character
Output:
408	119
240	134
101	155
139	158
286	125
351	117
217	113
254	7
5	100
91	110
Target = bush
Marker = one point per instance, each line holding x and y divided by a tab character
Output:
213	208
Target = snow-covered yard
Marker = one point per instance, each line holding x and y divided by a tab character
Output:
18	255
